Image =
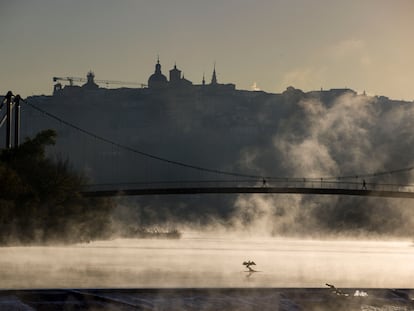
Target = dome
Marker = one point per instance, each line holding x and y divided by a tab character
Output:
157	79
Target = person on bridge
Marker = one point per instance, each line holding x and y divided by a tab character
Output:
364	185
264	182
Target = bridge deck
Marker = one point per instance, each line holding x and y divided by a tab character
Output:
245	190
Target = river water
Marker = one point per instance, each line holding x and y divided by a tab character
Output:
208	260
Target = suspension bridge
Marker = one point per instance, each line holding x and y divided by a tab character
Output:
251	187
230	182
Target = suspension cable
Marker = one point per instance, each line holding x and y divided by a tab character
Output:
210	170
142	153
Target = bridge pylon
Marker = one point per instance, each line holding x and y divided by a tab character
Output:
11	102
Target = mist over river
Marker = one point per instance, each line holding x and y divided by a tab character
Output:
209	260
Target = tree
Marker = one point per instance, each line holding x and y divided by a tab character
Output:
40	199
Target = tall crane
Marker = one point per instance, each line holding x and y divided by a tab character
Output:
90	78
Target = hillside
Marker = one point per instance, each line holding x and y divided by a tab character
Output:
293	134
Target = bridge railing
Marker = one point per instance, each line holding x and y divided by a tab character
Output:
279	183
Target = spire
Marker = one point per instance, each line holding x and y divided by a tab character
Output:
158	65
214	77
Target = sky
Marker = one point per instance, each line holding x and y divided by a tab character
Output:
366	45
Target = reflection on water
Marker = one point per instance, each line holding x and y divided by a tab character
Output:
209	261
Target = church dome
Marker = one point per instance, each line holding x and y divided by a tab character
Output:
157	79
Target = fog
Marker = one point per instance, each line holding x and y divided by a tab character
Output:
296	240
325	134
209	260
347	136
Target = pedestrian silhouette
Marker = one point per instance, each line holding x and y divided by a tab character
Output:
364	184
264	182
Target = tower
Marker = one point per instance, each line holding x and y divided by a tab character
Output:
214	77
175	75
90	81
90	77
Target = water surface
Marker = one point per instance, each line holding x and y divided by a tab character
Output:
205	260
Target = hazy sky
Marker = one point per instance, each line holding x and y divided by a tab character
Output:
362	44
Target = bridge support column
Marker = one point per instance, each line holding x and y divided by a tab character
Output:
8	118
17	99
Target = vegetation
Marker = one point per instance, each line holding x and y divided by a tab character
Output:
40	199
131	231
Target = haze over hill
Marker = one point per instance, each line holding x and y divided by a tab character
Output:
294	134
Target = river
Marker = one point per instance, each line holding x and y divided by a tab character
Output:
208	260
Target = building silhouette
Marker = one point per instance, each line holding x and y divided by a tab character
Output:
159	81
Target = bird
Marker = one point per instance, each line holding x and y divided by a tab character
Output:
248	264
335	290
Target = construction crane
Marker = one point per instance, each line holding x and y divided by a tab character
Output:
90	77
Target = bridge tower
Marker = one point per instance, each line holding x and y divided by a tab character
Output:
11	102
